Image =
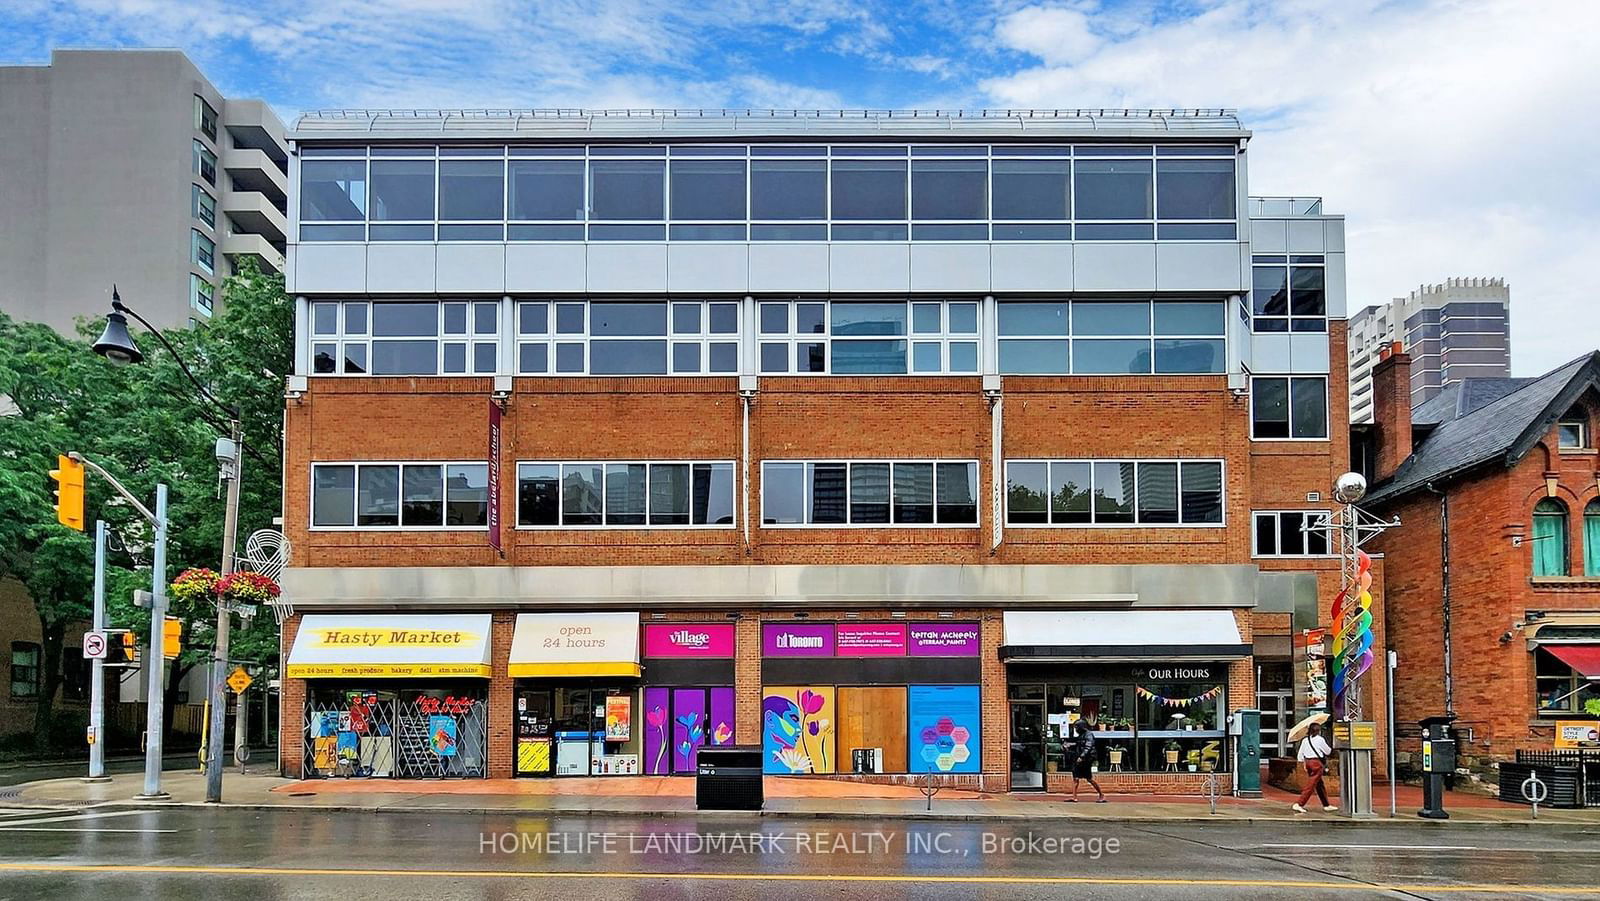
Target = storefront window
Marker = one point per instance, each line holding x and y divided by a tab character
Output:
408	733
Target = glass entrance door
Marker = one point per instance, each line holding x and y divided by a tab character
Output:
535	717
1277	718
1027	746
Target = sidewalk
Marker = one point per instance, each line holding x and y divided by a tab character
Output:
663	796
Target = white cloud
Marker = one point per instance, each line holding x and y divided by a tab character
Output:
1055	34
1453	134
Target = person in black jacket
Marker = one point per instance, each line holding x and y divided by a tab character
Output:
1083	757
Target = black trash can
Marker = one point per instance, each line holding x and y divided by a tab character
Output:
728	779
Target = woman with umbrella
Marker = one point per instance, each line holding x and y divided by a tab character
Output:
1313	752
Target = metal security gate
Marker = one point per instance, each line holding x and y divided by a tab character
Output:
408	734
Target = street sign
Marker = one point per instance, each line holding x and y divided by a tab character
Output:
239	680
94	645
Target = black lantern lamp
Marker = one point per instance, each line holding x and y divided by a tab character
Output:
115	343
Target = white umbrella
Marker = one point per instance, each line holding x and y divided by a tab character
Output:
1301	728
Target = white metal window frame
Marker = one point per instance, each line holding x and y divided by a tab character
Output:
1288	380
205	205
825	152
469	340
733	470
849	464
400	493
1222	488
1582	428
203	251
552	338
204	157
1276	516
202	295
944	338
1151	336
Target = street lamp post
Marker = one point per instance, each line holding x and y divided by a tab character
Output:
117	345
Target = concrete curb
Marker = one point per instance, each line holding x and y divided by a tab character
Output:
935	815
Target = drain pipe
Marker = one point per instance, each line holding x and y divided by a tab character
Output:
1444	595
747	397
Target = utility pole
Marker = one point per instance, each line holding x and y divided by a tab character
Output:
230	458
97	678
155	662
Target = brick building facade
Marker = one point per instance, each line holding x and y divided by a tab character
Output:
838	498
1498	556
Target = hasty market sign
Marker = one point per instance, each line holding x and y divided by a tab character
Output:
329	646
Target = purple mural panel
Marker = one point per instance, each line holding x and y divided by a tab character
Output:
721	723
688	727
656	728
944	639
797	640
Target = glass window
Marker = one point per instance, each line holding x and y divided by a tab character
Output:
1027	493
713	494
708	189
546	190
607	357
1309	407
1109	357
869	492
643	319
1307	296
1070	493
1266	535
581	494
783	492
471	189
205	118
405	357
1110	318
1033	318
913	493
827	493
789	190
1114	490
25	669
1034	357
1202	492
1591	539
378	496
869	190
200	294
405	320
355	318
402	190
538	494
205	163
669	494
626	494
869	357
467	494
1269	296
422	496
1189	318
333	491
949	189
203	251
1269	408
855	319
1550	538
1031	189
204	205
627	189
1195	189
1113	189
1572	434
957	490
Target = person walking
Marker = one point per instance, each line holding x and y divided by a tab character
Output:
1083	759
1314	751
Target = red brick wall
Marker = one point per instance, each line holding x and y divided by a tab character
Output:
1491	589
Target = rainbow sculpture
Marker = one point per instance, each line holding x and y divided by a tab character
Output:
1352	640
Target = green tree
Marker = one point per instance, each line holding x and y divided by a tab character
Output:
145	424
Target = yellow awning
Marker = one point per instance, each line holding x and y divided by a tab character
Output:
575	644
537	670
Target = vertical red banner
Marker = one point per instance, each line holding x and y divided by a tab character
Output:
494	475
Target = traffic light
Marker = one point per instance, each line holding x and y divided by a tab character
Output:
68	475
171	637
122	648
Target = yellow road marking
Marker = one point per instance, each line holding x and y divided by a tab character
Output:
1485	888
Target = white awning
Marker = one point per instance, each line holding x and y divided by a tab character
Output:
388	646
575	644
1122	635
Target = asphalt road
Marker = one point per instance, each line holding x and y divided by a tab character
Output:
242	854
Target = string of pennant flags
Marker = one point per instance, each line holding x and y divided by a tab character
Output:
1176	702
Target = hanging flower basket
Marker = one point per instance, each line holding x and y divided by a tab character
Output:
205	586
246	588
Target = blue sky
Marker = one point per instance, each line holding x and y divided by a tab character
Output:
1455	135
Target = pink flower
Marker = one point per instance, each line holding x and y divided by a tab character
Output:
656	717
811	702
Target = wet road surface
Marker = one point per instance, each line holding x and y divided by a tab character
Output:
244	854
